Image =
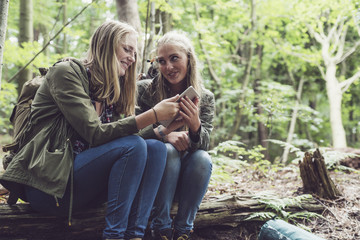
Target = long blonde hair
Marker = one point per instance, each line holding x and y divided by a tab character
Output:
193	77
101	59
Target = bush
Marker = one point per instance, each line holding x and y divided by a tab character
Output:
8	98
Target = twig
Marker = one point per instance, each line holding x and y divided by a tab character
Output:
327	208
48	43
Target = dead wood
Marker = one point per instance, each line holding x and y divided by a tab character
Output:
315	176
21	222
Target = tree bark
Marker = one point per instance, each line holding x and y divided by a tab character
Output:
261	128
64	48
20	220
127	11
334	94
246	78
165	21
149	37
25	35
315	176
291	131
4	7
333	53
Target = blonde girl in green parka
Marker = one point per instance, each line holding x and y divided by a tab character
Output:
84	145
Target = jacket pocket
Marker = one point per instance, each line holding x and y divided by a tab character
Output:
51	166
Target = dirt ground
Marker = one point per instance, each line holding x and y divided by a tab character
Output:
341	216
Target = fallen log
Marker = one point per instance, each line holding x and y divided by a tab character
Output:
20	222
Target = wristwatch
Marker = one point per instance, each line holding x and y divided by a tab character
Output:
162	134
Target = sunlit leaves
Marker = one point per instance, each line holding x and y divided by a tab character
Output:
8	98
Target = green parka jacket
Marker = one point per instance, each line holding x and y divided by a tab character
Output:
61	112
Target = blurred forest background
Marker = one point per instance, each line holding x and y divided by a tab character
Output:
285	73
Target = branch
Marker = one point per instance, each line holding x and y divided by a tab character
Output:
48	43
316	35
340	51
356	24
338	36
321	30
348	53
321	71
334	28
346	84
211	70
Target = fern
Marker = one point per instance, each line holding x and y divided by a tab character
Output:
305	215
279	205
298	153
263	216
332	158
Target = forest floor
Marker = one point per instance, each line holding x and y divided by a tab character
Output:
341	216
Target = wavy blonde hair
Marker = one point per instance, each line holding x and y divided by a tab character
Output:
101	59
193	77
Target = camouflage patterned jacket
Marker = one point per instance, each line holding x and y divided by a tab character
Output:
146	100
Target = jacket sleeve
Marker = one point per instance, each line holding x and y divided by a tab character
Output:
207	110
67	90
148	132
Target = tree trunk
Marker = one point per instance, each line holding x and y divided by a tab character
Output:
45	33
20	221
334	94
4	7
165	21
315	176
291	131
246	78
64	44
127	11
25	35
149	37
262	130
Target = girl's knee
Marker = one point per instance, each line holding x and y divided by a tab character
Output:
202	160
137	142
155	146
156	151
172	153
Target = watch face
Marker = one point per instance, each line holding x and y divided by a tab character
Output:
162	134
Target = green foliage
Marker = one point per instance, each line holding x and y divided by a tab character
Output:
237	156
236	150
332	158
7	102
279	207
15	55
228	36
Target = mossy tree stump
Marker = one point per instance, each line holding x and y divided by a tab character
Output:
315	176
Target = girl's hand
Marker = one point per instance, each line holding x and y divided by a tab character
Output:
167	108
180	140
190	113
176	124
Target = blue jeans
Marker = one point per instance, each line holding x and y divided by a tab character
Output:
188	176
127	170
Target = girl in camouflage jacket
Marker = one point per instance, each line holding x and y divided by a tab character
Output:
188	166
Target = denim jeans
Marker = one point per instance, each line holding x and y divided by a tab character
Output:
127	170
188	176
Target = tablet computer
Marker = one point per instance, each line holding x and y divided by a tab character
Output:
191	93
